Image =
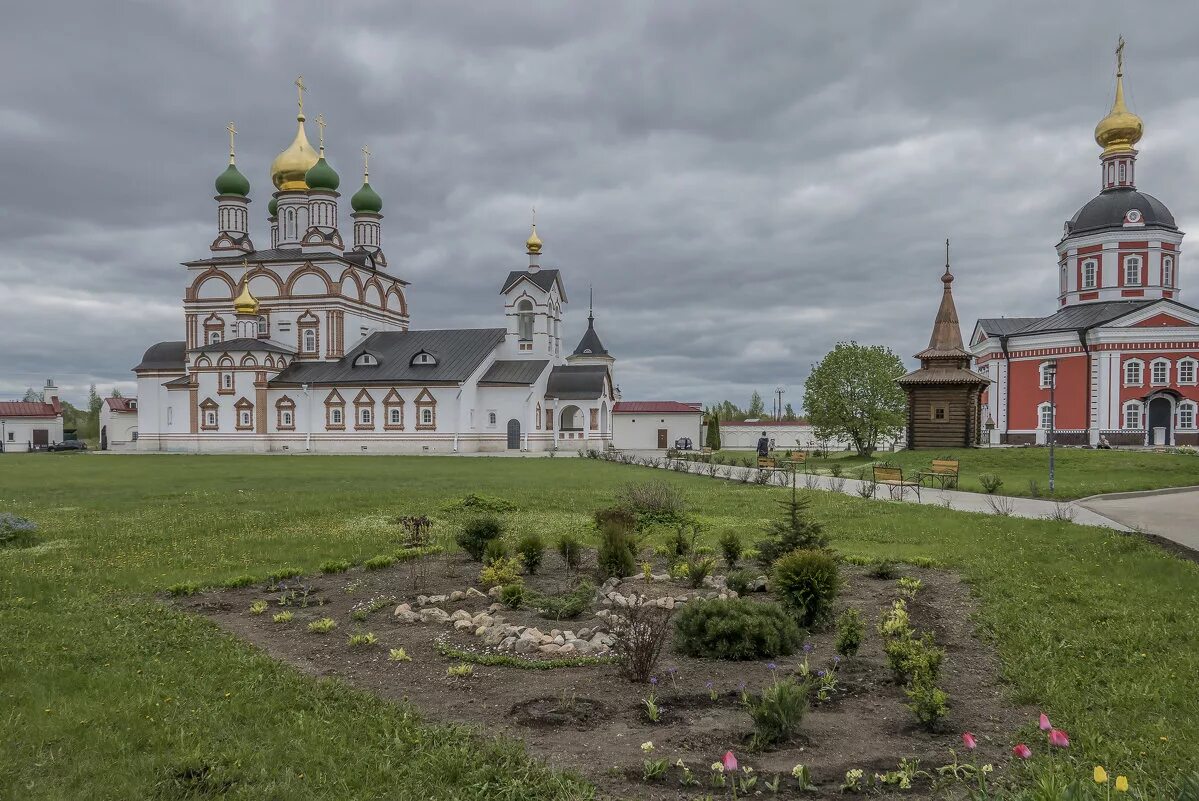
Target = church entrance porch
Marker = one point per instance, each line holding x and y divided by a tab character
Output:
1161	416
514	435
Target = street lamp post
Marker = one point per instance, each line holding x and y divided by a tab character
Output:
1051	373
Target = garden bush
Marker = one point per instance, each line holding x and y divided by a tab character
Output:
638	635
496	549
739	581
794	531
616	552
698	569
851	629
532	550
502	572
615	516
909	657
807	583
571	551
335	566
652	502
731	548
477	533
735	629
884	569
990	482
484	503
680	541
17	531
777	712
928	702
566	606
512	595
379	562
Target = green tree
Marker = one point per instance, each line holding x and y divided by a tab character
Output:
116	393
94	401
757	407
33	396
852	395
713	440
789	413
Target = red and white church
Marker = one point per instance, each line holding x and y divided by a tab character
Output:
1126	351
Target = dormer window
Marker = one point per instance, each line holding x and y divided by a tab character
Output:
366	359
132	404
524	311
423	358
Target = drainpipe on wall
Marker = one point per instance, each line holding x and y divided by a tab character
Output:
1007	385
1086	349
457	420
528	425
308	418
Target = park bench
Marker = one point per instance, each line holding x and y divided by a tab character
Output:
797	461
766	462
943	471
892	478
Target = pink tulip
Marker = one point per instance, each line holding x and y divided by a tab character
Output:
1022	751
1059	739
969	741
1045	722
730	762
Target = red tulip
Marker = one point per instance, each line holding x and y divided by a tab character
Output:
730	762
969	741
1059	739
1022	751
1045	722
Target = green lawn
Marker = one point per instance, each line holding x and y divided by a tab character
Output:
1077	474
108	695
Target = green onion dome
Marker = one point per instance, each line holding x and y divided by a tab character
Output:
272	207
366	199
232	182
322	176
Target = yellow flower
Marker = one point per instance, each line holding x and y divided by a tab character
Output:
1121	784
1100	775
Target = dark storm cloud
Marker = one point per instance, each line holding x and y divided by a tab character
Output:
743	184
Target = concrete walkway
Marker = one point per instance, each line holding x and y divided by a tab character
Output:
1169	513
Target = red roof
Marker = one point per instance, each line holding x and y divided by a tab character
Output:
29	409
656	407
121	404
762	423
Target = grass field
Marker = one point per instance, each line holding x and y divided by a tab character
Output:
108	695
1078	472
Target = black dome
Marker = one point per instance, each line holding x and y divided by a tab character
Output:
1107	209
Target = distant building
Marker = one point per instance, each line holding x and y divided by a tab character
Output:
656	425
1126	350
31	425
118	424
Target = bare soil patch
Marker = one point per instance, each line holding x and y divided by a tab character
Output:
591	720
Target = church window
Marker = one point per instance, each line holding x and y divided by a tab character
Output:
491	419
365	359
1122	172
524	311
335	416
426	417
170	416
1062	279
1133	370
1167	271
1186	371
364	416
210	419
1111	173
1186	414
423	357
1159	372
1045	416
1132	414
286	420
243	418
1132	270
262	329
214	337
226	380
1046	374
309	340
394	417
1089	274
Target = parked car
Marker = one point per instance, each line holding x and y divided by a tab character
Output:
683	444
69	445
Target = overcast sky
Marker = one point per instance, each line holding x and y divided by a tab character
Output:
743	183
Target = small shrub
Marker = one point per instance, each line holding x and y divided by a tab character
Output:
908	586
563	607
652	501
680	542
502	572
17	531
496	549
698	569
739	581
616	557
928	702
836	468
362	639
460	671
485	503
398	655
512	595
615	516
477	533
258	607
184	589
731	548
777	712
884	570
335	566
571	551
283	574
379	562
895	621
735	629
909	657
416	530
532	550
794	531
322	626
638	636
807	583
238	581
851	630
284	617
990	482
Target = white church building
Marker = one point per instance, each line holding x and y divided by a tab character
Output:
304	345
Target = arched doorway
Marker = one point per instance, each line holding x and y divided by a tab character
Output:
571	419
1161	418
514	434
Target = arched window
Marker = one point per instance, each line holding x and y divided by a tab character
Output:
1045	416
364	415
310	340
394	417
1133	372
1132	414
1090	274
525	311
426	417
286	420
491	418
210	419
214	337
243	418
335	416
1167	271
1132	270
262	330
1122	173
1159	372
1186	414
1186	370
1062	279
1046	374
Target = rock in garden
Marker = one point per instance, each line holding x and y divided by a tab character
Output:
494	607
460	614
421	600
566	649
495	591
457	595
610	584
559	640
407	617
463	625
403	608
532	633
661	577
524	646
549	648
471	592
508	643
433	615
437	599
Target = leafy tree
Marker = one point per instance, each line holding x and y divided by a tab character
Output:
33	396
789	413
852	395
757	407
94	401
116	393
713	440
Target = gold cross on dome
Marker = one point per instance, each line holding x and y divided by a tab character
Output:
232	132
366	160
534	216
300	88
320	121
1120	56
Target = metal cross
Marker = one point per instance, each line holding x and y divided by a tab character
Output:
366	160
320	121
300	87
232	132
1120	56
534	216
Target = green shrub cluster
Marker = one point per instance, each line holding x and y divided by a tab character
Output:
512	595
698	569
379	562
502	572
532	552
731	548
566	606
851	630
795	530
735	629
496	549
618	547
477	533
17	531
807	583
916	662
739	581
335	566
777	712
476	502
571	551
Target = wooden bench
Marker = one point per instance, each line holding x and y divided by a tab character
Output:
943	471
766	462
892	478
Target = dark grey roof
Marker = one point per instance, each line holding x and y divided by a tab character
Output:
998	326
1107	209
544	279
590	344
577	382
243	343
181	381
458	352
163	356
1084	315
357	257
514	371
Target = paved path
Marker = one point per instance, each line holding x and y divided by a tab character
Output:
1173	514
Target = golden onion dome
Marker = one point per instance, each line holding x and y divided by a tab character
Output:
1120	129
290	166
245	303
533	243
